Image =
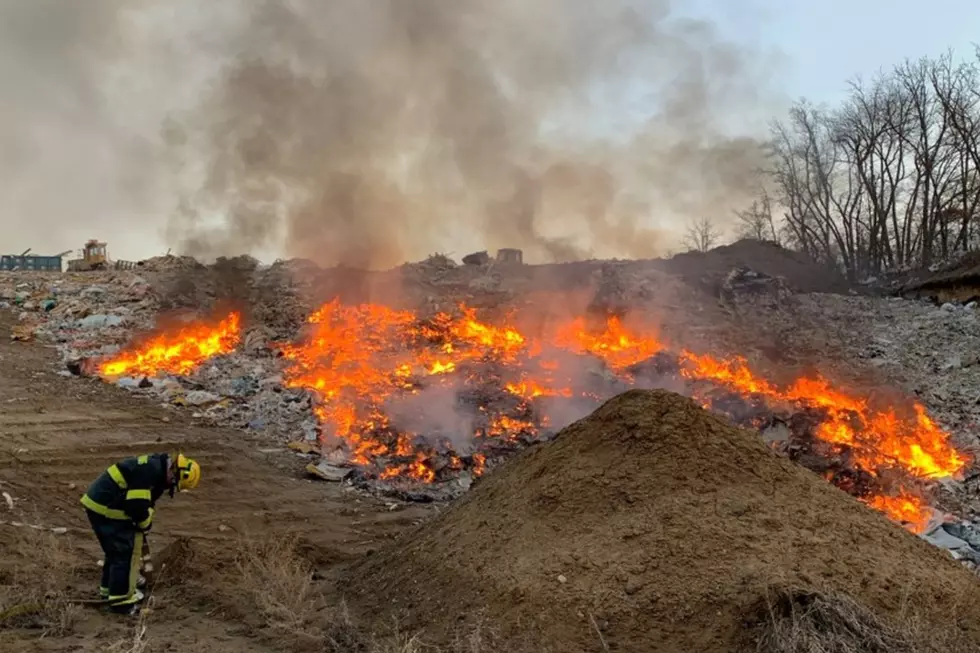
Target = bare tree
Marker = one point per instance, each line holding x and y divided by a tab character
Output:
929	140
757	221
889	179
817	184
865	130
957	88
702	235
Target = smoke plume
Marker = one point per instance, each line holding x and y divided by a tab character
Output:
367	133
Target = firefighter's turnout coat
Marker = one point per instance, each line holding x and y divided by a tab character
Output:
120	505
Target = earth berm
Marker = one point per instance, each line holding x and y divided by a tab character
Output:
652	525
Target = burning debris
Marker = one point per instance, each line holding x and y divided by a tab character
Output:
421	405
176	352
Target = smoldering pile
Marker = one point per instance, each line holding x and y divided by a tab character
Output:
429	466
419	404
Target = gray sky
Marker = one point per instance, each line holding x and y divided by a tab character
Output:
85	146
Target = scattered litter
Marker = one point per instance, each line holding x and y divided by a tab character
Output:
961	540
328	472
22	332
100	321
304	447
200	398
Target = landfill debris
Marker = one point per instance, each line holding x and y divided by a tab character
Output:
100	321
328	472
304	447
22	332
477	258
961	539
247	386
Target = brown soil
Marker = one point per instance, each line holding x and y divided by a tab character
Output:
57	434
653	526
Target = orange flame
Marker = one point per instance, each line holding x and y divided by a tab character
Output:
907	509
616	345
358	358
176	353
878	438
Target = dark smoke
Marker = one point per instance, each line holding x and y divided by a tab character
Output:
368	132
364	133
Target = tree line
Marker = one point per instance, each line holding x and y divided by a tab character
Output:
888	179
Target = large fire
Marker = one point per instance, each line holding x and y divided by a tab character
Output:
378	374
177	352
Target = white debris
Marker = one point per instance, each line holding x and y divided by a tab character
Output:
956	538
328	472
100	321
201	398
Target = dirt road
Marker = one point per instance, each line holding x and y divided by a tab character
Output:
58	433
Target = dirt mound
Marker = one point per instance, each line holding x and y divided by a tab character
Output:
652	525
709	269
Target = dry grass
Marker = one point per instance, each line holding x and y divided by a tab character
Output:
34	596
279	583
799	620
284	594
804	621
137	641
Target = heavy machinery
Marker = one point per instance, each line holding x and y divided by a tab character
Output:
94	257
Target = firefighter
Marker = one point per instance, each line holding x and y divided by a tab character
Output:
120	505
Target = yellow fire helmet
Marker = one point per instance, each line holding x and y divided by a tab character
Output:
188	473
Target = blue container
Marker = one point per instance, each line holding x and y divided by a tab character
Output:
34	263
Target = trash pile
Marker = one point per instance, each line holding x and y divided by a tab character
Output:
652	525
929	351
92	316
79	310
417	404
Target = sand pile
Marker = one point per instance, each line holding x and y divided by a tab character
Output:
663	528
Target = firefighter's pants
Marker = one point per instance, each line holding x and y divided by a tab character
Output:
122	544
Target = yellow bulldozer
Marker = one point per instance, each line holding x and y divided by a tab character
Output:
94	257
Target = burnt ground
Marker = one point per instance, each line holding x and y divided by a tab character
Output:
57	434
